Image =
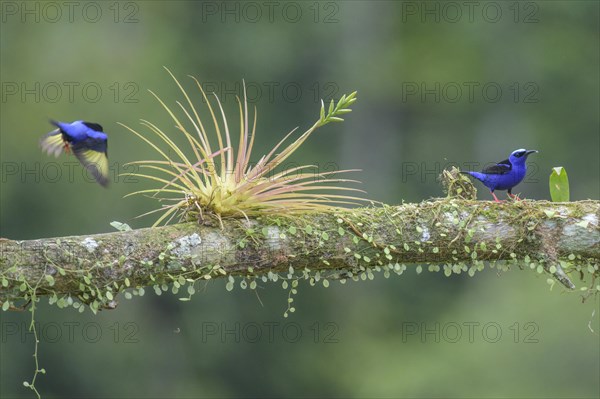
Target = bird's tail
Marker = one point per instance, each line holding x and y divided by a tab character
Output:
477	175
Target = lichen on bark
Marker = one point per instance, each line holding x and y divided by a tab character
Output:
453	235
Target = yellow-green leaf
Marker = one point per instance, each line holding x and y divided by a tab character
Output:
559	185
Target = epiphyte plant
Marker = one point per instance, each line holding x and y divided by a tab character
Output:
215	180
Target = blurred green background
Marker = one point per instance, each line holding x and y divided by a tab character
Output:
438	84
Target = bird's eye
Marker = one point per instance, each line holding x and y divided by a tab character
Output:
519	154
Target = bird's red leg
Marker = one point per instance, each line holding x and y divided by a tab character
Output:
515	197
495	198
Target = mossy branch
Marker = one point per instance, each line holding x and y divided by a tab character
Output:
458	235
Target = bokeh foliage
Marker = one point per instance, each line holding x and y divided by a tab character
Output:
548	73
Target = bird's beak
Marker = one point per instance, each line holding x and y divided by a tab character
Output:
530	152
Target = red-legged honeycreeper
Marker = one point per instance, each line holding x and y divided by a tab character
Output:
86	140
505	174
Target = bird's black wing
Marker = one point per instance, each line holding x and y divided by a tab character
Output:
94	126
500	168
91	143
92	153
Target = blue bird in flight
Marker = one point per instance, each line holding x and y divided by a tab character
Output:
504	175
86	140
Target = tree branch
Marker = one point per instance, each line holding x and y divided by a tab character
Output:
461	235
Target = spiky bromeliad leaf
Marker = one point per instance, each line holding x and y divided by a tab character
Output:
218	181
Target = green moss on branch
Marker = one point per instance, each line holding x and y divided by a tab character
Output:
450	235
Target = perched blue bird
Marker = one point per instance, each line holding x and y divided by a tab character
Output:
505	174
86	141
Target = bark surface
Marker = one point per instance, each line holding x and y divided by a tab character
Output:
461	234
